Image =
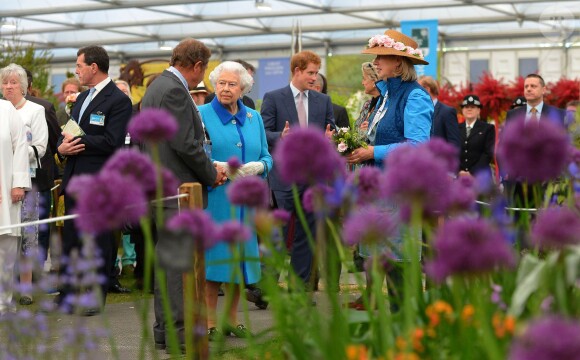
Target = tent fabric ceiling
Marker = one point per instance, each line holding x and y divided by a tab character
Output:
137	28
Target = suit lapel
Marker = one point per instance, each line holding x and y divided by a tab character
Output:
312	107
290	106
462	128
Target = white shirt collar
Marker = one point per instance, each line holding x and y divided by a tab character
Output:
295	91
100	86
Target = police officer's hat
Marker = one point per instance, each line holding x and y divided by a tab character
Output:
519	101
471	100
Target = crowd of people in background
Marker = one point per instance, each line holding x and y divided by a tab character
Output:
403	109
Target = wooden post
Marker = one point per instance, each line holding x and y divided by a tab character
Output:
196	342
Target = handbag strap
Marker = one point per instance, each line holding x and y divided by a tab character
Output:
36	156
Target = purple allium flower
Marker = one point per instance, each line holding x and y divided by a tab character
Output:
134	164
306	156
445	151
548	338
152	125
368	224
415	174
234	232
533	153
251	191
106	201
367	181
555	228
234	163
170	184
198	223
281	216
468	246
461	196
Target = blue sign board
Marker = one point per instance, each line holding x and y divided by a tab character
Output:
425	33
272	74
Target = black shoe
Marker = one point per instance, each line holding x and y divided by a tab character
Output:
240	331
221	291
159	345
25	300
91	312
213	334
255	295
118	289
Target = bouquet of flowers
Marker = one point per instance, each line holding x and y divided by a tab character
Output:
70	102
347	139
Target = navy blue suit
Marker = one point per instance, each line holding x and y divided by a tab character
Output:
549	112
100	143
277	108
445	124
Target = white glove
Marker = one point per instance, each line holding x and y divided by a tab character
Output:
251	168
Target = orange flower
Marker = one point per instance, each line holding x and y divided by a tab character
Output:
418	335
406	356
434	311
503	325
467	313
357	352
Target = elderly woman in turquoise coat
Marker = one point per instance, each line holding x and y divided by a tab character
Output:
235	131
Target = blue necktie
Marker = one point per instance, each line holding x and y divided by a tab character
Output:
86	103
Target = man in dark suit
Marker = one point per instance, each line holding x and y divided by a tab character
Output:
184	155
445	123
534	110
47	163
477	139
341	118
293	106
102	112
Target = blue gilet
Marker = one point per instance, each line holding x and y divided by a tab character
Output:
391	127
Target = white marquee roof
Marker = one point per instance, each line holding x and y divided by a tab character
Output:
137	28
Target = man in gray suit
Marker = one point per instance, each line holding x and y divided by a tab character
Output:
184	155
293	106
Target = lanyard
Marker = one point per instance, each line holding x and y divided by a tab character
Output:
379	114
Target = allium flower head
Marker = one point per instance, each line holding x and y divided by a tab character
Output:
548	338
198	223
234	232
468	247
251	191
461	196
282	216
153	125
106	201
445	151
170	184
555	228
368	225
367	181
134	164
533	152
306	156
415	174
234	163
385	261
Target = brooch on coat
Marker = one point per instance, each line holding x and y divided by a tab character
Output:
249	116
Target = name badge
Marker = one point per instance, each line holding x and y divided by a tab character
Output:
97	119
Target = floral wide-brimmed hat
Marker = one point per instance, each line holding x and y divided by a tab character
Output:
395	43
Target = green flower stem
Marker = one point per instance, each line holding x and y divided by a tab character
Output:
412	271
142	304
159	220
300	213
479	294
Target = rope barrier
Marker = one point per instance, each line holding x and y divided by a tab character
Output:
74	216
507	208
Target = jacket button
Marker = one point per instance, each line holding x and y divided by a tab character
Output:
239	144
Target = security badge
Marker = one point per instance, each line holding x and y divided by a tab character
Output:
97	119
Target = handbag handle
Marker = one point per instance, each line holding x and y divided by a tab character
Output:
36	156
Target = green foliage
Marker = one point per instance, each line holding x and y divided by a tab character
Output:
344	76
36	61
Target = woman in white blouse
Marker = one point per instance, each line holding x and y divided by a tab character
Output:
14	84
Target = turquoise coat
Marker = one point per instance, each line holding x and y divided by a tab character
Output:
241	135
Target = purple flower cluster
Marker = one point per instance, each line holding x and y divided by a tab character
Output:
415	174
198	223
367	182
533	152
234	163
548	338
233	232
369	224
461	195
555	228
386	261
133	164
250	191
445	151
106	201
306	156
153	125
468	247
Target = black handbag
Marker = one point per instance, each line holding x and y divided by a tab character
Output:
41	180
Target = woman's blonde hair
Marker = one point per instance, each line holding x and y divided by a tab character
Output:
406	70
370	71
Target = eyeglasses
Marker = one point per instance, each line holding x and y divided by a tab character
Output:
224	84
